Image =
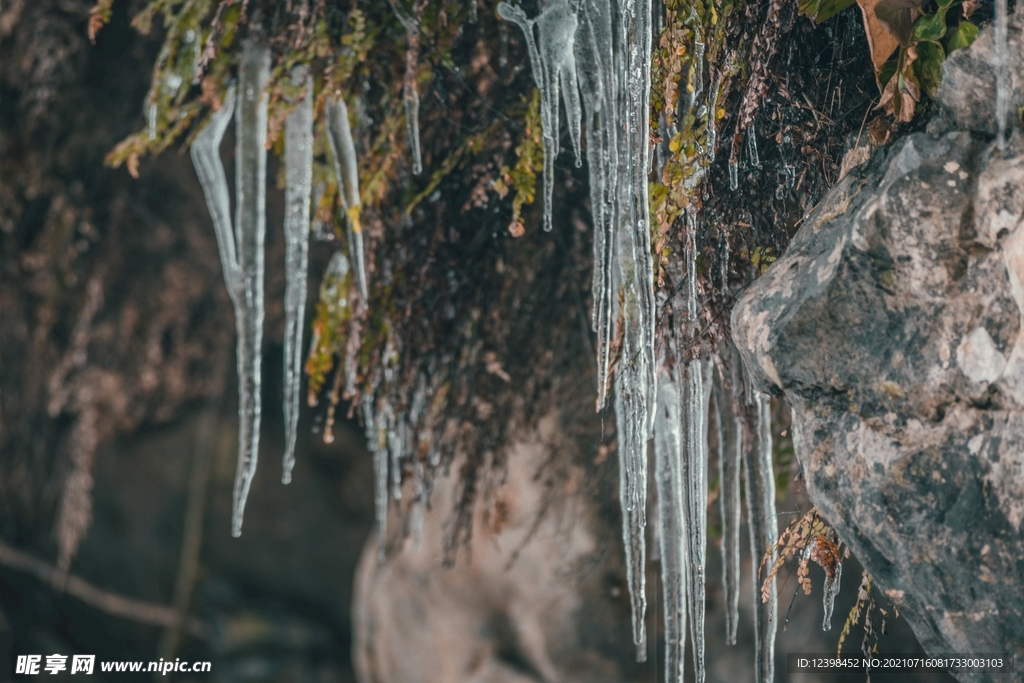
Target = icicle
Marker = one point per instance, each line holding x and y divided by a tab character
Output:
376	430
419	502
691	271
632	449
298	162
410	93
241	250
730	452
672	524
552	62
346	169
594	60
734	174
250	231
831	590
760	485
755	160
151	121
1002	74
695	465
396	447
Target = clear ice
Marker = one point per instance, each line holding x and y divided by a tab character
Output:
553	60
1002	73
730	453
298	165
346	170
242	249
762	523
829	593
695	465
410	93
633	499
668	479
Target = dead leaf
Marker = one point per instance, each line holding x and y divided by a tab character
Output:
969	7
902	92
881	30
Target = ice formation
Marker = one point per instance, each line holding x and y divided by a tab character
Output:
668	479
730	453
1002	73
298	173
829	593
346	169
242	249
410	93
762	522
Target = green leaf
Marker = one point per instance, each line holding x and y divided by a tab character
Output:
963	36
928	66
930	26
887	72
822	10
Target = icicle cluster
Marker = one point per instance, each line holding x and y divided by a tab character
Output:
241	243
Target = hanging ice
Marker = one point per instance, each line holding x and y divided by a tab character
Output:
734	174
730	452
410	93
760	485
553	61
668	478
376	439
755	159
695	464
346	170
298	172
242	249
829	593
632	431
1002	73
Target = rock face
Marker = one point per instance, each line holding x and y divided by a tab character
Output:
893	326
540	597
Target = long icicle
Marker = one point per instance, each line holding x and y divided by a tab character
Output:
250	233
346	169
730	453
298	164
695	465
633	500
669	484
762	522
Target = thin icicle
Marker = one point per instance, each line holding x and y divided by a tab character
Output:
695	466
376	439
752	155
668	480
594	61
633	499
250	231
298	162
410	93
730	452
831	590
760	485
734	174
396	448
151	121
346	169
1002	74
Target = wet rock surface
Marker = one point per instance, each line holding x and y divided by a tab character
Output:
893	327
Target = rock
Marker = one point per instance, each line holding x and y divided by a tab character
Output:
968	83
893	326
540	596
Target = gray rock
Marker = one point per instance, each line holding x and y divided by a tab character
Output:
893	326
969	79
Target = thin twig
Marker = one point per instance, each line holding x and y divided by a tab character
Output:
111	603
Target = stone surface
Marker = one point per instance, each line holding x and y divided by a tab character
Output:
893	326
969	78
